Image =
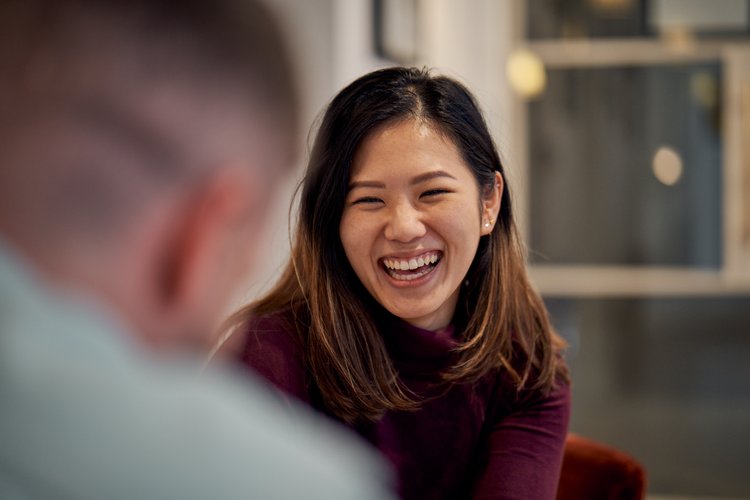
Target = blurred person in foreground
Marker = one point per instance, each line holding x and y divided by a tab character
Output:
139	142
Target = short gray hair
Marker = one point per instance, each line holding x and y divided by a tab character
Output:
83	87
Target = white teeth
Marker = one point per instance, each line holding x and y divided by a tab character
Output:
411	265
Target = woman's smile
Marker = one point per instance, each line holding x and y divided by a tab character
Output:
411	271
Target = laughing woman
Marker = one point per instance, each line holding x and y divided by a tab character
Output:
405	311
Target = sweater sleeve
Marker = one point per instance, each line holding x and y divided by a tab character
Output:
525	449
272	351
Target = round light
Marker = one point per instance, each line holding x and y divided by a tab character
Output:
667	166
525	73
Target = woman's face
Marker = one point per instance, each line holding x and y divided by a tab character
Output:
412	221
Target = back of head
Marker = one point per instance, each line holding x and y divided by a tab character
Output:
107	105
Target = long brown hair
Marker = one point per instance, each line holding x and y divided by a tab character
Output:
505	322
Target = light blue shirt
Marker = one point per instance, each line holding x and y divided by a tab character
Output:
85	414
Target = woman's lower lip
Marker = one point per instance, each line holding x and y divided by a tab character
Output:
414	282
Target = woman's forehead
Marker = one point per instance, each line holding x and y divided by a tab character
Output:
406	147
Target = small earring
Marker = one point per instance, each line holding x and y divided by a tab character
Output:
486	224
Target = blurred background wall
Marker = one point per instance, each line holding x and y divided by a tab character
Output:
624	127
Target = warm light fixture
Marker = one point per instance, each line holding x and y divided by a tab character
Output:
667	166
613	6
526	74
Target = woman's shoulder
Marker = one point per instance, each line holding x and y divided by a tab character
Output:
272	347
276	325
512	395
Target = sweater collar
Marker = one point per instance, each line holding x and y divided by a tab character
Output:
408	343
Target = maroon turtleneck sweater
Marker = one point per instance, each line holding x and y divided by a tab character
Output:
484	440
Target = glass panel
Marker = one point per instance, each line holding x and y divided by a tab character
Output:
667	380
585	18
549	19
625	166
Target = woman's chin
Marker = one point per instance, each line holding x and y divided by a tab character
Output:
427	318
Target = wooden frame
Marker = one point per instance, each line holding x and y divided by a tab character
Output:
737	166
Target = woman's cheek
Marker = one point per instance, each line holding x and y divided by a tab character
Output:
455	218
355	233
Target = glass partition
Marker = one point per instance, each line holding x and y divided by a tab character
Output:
667	380
625	166
576	19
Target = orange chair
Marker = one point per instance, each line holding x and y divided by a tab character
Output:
592	471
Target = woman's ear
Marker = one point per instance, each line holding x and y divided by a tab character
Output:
491	200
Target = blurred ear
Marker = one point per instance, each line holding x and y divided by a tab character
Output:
491	201
208	253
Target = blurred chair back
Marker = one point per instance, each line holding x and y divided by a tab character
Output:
592	471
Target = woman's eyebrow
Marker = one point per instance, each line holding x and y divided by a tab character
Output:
416	180
430	175
363	184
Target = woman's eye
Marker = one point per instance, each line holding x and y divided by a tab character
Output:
367	200
433	192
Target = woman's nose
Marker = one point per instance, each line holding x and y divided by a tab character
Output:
404	224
